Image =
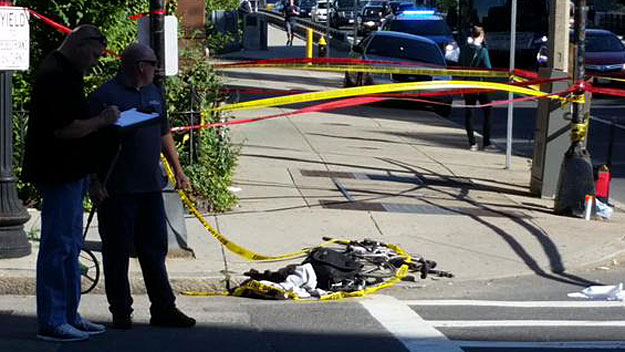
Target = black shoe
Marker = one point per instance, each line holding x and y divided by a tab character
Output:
173	318
122	322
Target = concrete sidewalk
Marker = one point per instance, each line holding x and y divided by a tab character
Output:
402	176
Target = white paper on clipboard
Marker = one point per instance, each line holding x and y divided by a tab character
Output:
132	117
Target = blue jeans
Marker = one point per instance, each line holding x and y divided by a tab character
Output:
58	271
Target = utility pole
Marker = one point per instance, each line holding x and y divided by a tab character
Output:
157	38
551	139
13	215
576	174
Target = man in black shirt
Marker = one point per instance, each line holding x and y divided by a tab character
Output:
58	157
291	11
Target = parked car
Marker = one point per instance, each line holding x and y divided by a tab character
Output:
370	19
399	6
399	47
426	23
605	54
305	7
320	10
344	12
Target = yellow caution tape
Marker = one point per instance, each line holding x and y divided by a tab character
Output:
233	247
269	291
609	78
382	69
375	89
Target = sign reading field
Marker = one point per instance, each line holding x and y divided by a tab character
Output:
14	39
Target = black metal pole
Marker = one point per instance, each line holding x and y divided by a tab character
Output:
13	215
157	38
576	175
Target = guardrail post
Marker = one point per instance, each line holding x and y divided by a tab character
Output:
309	43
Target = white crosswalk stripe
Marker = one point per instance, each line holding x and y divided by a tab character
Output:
402	319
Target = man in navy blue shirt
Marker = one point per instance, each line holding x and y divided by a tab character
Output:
131	213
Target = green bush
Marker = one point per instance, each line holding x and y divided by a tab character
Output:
211	164
207	155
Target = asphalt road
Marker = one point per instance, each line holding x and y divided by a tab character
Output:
528	313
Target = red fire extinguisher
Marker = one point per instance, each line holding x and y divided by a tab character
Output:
602	186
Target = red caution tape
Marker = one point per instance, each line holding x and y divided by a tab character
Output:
607	91
5	3
159	11
49	22
137	16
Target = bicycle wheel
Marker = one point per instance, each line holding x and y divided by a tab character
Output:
89	271
376	268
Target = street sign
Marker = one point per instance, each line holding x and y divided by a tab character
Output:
171	41
14	39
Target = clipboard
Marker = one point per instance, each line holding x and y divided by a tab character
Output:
133	118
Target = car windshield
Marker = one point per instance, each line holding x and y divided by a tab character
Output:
322	5
345	4
405	49
420	27
603	43
373	11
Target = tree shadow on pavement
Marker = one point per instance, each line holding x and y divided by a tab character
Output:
557	269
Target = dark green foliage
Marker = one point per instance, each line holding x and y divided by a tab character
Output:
210	167
207	155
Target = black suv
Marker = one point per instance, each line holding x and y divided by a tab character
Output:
428	24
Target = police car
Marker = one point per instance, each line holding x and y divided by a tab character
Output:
426	23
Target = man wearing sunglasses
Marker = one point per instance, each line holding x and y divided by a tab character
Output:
131	214
58	157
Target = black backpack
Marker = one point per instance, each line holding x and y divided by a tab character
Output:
332	267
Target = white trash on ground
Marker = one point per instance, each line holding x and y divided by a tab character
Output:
601	293
604	210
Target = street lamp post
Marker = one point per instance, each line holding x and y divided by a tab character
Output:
13	215
576	175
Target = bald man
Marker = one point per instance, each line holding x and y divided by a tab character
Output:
131	213
58	157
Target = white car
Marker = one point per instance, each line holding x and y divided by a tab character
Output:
320	11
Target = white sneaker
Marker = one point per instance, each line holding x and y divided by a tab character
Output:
473	148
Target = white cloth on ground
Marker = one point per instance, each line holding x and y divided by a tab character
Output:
303	282
601	293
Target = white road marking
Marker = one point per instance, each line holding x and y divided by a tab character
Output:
518	304
407	326
586	345
524	323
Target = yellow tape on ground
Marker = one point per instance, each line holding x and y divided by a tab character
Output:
375	89
255	286
383	69
233	247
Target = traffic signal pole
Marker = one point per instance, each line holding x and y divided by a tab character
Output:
157	38
576	175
